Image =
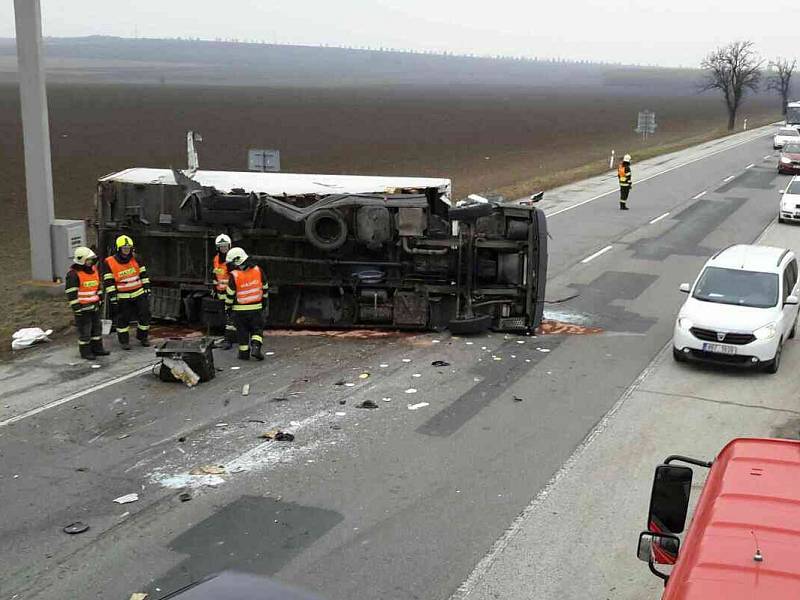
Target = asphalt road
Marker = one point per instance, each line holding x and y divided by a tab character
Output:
382	503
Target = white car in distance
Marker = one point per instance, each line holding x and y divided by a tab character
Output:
789	209
741	309
785	135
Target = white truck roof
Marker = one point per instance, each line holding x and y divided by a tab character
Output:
278	184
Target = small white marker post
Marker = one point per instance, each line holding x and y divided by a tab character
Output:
611	161
745	125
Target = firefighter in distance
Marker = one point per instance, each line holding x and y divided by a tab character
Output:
625	181
220	277
128	290
85	295
247	297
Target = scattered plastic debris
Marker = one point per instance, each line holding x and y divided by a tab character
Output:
127	499
367	404
364	376
411	391
527	360
470	343
543	349
269	353
440	363
181	371
208	470
341	414
122	436
417	375
435	341
279	399
349	384
386	399
221	425
518	399
27	336
477	379
246	389
76	527
383	365
418	405
139	596
235	368
406	360
484	348
520	341
335	426
184	497
96	366
497	358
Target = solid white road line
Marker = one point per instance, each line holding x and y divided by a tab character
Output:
664	172
700	195
750	166
75	396
657	219
768	156
596	254
729	178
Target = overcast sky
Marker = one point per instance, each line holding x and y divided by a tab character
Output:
664	32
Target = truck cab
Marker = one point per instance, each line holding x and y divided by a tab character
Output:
744	538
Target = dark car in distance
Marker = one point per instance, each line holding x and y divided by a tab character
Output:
789	159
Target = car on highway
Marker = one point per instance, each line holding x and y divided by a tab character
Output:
742	542
789	209
785	135
741	309
789	159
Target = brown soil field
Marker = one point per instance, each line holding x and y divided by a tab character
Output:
509	140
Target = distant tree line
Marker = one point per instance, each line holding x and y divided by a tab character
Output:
736	69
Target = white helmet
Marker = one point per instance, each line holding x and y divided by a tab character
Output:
82	254
626	158
236	256
222	239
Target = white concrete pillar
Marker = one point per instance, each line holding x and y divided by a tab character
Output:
36	134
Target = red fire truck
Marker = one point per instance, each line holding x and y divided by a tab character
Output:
743	542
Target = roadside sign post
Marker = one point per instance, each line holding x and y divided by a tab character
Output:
646	124
36	136
264	160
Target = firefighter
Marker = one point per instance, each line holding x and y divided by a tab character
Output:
85	295
128	290
220	278
247	296
625	181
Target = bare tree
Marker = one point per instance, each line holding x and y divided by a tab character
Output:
733	69
781	79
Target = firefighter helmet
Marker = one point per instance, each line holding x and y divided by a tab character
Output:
82	254
626	158
222	239
236	256
123	240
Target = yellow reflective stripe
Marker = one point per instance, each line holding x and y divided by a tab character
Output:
241	307
71	302
108	276
143	327
256	338
123	329
97	338
130	295
82	343
243	348
73	289
145	280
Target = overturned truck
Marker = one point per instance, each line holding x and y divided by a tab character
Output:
339	251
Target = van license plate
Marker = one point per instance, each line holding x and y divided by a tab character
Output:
719	348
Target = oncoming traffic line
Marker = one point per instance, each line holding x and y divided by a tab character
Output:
729	178
750	166
75	396
596	254
700	195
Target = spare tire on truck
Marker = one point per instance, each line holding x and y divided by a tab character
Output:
326	229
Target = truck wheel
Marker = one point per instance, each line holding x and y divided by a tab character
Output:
477	324
326	229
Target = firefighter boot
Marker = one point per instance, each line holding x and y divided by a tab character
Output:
623	206
97	349
255	351
124	339
142	336
86	351
244	353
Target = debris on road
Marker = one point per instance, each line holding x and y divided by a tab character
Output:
279	399
417	375
383	365
418	405
543	349
254	421
411	391
76	527
367	404
127	499
364	376
387	399
122	436
349	384
277	435
440	363
246	389
340	382
235	368
181	371
406	360
139	596
340	414
184	497
520	341
435	341
27	336
96	366
208	470
518	399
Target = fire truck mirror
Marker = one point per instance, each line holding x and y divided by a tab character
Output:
658	547
669	500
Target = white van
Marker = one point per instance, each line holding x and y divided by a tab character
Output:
741	309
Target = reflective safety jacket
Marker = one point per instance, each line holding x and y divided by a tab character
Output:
624	175
125	279
82	286
247	288
221	277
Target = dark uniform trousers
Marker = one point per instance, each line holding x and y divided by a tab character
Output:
249	327
133	310
90	330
